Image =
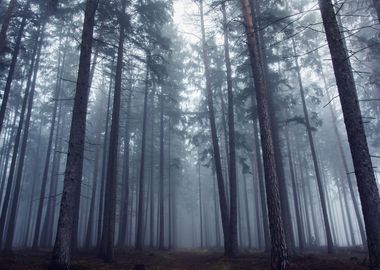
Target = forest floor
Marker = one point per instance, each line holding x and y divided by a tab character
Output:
188	260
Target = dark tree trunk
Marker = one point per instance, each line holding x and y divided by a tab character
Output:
214	137
17	189
233	248
74	165
125	203
28	90
151	211
91	215
50	210
322	195
366	181
12	68
279	249
261	184
104	164
31	200
344	162
247	211
111	184
161	243
301	234
200	202
139	230
47	158
4	27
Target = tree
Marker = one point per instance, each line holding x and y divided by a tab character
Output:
279	248
365	177
214	137
110	202
233	249
73	174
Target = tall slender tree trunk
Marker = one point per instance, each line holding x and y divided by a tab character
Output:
111	184
248	223
279	258
48	155
124	220
151	210
200	203
365	176
161	243
4	27
28	90
260	174
12	68
17	189
343	159
301	234
214	137
104	164
233	248
322	195
140	216
74	165
91	220
31	200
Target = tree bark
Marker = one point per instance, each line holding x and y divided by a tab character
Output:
111	184
17	188
4	27
104	164
322	195
28	91
47	158
74	165
139	231
301	234
279	258
125	203
233	248
366	181
161	184
12	68
214	137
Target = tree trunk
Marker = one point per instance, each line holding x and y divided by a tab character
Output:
247	211
233	248
28	90
344	162
279	250
111	184
4	27
139	231
301	234
17	188
366	181
74	165
125	203
261	183
12	68
104	164
214	136
322	195
161	184
200	202
48	154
